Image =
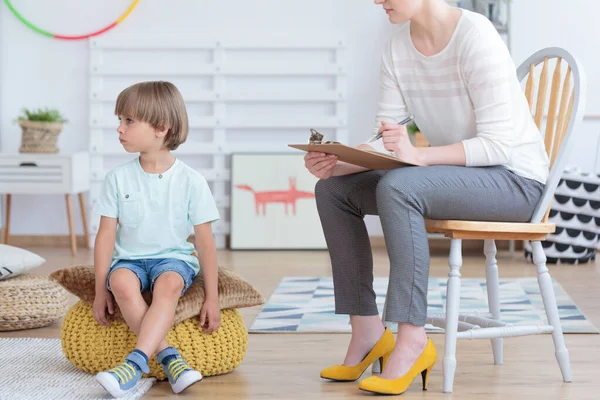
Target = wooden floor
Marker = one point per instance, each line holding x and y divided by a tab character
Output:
286	366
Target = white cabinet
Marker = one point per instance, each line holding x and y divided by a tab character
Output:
35	173
30	173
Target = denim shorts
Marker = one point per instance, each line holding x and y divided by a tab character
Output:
148	270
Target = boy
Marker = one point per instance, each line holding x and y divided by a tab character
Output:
147	208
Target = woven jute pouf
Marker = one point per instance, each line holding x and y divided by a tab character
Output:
29	301
94	348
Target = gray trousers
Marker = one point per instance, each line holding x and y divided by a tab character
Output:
403	198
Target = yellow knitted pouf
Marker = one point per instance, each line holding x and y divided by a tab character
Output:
94	348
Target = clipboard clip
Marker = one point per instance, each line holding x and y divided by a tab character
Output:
316	137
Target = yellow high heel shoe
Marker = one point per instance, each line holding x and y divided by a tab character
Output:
423	366
382	350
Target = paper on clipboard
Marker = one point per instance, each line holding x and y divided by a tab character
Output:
352	155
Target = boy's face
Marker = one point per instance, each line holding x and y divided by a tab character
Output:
138	136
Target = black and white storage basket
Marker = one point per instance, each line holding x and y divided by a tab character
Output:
576	213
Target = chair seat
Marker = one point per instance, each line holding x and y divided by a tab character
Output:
490	230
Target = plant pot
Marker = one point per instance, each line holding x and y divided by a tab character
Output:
39	137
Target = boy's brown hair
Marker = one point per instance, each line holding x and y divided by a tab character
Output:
159	104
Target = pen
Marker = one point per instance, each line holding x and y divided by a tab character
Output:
403	122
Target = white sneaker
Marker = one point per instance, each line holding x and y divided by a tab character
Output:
120	380
186	379
180	374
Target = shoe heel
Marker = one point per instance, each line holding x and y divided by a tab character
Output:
383	360
425	376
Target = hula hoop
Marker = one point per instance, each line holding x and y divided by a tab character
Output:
70	37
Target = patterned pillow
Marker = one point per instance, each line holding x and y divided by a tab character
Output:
576	213
14	261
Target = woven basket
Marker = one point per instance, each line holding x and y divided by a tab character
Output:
28	301
39	137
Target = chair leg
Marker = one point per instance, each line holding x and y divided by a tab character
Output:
86	233
376	367
452	309
7	218
71	228
387	324
549	298
493	292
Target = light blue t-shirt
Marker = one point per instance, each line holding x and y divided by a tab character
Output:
156	212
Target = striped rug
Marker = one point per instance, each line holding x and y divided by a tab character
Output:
306	304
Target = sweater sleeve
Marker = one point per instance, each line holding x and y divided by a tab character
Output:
489	72
391	105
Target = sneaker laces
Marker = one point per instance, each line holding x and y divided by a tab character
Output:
177	366
125	372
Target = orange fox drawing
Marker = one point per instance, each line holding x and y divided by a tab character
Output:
287	197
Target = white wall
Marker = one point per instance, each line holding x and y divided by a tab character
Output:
574	26
38	71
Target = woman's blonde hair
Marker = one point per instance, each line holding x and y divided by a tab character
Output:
159	104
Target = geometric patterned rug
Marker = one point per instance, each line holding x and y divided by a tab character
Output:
36	369
306	304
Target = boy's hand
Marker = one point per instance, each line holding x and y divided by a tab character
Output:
210	315
102	301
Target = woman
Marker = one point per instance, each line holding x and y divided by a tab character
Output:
450	69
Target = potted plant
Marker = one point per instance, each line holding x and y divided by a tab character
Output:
416	137
40	130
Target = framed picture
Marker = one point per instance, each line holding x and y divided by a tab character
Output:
273	203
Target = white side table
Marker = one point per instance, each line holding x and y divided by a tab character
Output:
37	173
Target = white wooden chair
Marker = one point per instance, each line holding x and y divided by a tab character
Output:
559	134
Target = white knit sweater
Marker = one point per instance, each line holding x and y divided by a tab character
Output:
466	93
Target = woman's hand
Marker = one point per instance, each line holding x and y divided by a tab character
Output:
320	165
102	301
395	138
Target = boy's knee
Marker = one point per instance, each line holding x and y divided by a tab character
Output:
169	283
124	283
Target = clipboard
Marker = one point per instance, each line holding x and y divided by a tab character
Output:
352	155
